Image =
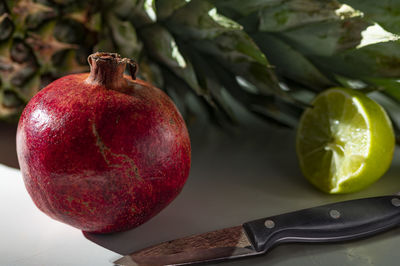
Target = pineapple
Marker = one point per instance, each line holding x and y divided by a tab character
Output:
270	57
38	44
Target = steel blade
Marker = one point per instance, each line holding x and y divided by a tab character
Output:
218	245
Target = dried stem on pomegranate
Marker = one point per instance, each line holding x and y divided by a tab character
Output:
107	69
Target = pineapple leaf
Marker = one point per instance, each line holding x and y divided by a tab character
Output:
166	8
389	86
236	9
203	33
151	72
290	63
384	12
195	20
124	37
227	92
377	60
194	24
216	95
296	13
190	105
326	38
161	47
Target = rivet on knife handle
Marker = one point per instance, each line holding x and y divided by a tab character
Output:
333	222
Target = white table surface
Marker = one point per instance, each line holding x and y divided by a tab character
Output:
29	237
233	179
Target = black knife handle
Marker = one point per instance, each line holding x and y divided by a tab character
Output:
333	222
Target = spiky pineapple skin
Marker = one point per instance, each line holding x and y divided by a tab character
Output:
39	42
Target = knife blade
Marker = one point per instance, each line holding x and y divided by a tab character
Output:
341	221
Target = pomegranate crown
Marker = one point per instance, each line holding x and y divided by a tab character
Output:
107	69
115	58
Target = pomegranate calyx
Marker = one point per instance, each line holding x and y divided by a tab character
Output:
107	69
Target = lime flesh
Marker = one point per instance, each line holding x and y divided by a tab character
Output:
345	141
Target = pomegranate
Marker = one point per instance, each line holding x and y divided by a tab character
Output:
103	151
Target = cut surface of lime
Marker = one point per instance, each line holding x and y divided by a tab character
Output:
345	141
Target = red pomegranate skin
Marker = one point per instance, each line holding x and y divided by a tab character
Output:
102	160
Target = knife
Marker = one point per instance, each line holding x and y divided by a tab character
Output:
334	222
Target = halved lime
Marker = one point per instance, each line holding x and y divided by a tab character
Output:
345	141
